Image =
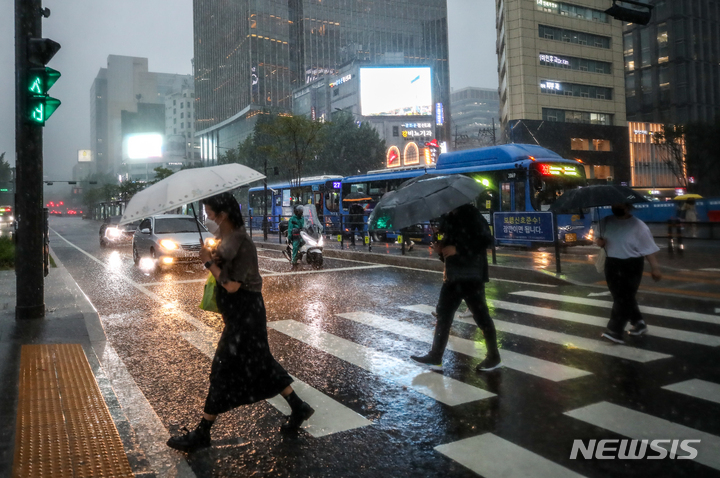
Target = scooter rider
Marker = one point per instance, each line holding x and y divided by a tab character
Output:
296	225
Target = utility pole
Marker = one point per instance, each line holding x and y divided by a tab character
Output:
32	108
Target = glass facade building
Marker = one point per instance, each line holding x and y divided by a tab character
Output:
672	65
251	54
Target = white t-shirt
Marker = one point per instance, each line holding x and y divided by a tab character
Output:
627	238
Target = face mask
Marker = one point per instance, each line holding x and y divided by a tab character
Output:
618	211
212	226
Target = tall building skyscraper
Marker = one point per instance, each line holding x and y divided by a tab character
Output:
672	65
562	83
474	115
251	54
124	86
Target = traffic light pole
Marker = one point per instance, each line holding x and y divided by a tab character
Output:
29	174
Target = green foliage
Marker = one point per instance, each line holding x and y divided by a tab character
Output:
161	173
351	149
5	170
7	253
128	189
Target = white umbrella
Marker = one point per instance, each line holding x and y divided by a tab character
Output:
187	186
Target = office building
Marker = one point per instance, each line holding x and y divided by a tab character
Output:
651	162
250	56
124	86
672	65
475	121
180	124
562	83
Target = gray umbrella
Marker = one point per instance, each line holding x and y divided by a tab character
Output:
421	199
595	196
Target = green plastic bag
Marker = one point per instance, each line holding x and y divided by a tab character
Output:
209	301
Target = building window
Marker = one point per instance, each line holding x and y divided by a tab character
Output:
662	43
571	36
567	116
572	63
174	120
336	91
182	105
182	125
572	89
628	52
574	11
396	131
174	111
645	47
630	84
182	115
581	144
646	86
188	104
174	102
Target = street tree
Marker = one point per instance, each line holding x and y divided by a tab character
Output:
671	142
161	173
350	148
5	170
293	143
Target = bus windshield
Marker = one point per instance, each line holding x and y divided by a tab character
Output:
550	180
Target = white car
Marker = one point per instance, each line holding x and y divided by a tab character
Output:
167	239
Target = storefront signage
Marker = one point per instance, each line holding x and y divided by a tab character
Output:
524	226
340	81
546	4
640	131
416	125
417	133
300	93
554	59
439	114
550	85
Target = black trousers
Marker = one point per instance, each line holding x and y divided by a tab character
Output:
451	294
623	278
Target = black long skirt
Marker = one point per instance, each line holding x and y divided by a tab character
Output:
243	369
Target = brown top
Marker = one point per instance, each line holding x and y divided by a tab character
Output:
238	260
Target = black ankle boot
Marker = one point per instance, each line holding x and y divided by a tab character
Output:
191	440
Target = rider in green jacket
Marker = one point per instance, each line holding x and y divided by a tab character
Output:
296	223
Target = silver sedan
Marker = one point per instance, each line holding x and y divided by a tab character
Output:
167	239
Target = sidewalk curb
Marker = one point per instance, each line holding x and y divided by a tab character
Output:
433	264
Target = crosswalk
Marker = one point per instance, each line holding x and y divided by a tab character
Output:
496	453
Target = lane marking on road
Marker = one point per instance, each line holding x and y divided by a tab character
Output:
322	271
274	259
207	336
330	416
669	290
711	269
598	294
697	388
490	456
655	331
431	384
512	360
675	314
641	426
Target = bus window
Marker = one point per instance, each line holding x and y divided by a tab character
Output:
519	195
348	188
332	201
505	197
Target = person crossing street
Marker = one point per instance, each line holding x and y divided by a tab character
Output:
296	225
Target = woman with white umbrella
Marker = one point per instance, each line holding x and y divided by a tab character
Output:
243	369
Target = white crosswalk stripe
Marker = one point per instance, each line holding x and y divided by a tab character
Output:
675	314
330	416
641	426
569	341
698	389
434	385
664	332
522	363
493	457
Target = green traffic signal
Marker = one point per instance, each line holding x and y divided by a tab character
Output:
40	108
40	80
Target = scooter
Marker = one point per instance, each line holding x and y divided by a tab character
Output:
312	240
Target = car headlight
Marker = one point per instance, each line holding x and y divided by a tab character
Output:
168	244
112	232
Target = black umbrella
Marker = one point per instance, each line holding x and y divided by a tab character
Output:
421	199
595	196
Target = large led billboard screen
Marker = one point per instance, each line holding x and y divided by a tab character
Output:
396	91
144	146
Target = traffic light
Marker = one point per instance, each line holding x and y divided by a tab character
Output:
40	106
638	13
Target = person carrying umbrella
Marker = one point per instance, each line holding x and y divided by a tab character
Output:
627	242
463	248
295	225
243	369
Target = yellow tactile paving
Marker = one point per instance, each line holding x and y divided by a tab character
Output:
64	428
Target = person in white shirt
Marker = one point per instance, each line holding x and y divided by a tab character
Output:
628	242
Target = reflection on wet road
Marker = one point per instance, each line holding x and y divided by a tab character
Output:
346	334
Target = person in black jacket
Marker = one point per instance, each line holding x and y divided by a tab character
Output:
463	248
357	219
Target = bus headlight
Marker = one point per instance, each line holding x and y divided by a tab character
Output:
112	232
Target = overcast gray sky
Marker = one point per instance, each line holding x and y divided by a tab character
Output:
90	30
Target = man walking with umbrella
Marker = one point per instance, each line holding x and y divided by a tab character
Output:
463	248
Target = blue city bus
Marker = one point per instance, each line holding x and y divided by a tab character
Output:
376	183
517	177
523	177
281	197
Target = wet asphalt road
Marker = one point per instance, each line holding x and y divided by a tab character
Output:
154	323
